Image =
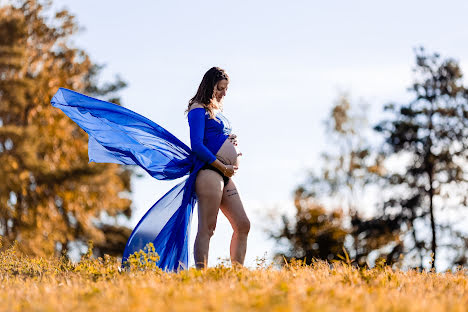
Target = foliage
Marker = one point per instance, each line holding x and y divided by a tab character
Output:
314	233
432	131
56	284
348	168
50	195
145	259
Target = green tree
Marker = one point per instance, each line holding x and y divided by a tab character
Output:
432	131
49	194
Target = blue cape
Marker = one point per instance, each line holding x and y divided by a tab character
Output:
119	135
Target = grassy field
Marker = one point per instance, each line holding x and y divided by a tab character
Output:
57	284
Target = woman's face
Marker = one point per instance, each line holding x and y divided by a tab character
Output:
220	90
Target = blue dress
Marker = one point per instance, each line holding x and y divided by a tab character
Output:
119	135
207	135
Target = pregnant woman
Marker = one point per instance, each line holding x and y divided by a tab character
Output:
212	143
119	135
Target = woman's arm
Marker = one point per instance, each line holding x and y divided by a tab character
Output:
196	119
218	164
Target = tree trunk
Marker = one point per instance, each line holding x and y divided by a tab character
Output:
430	167
433	229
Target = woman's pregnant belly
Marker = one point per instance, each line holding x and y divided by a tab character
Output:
228	153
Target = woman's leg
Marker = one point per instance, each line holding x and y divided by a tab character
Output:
209	189
232	208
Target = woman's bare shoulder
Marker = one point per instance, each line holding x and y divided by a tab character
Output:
196	105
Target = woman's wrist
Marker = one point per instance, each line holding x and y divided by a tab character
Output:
219	165
224	169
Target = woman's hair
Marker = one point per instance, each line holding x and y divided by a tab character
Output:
205	91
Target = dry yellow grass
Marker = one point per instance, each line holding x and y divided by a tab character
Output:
34	284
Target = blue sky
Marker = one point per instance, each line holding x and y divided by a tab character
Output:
287	62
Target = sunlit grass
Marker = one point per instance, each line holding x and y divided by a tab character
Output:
58	284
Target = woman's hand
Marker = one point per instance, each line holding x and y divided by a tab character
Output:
230	170
233	139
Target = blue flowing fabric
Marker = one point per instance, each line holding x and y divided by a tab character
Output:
119	135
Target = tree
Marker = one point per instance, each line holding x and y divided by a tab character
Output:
49	194
347	169
315	233
351	166
432	130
